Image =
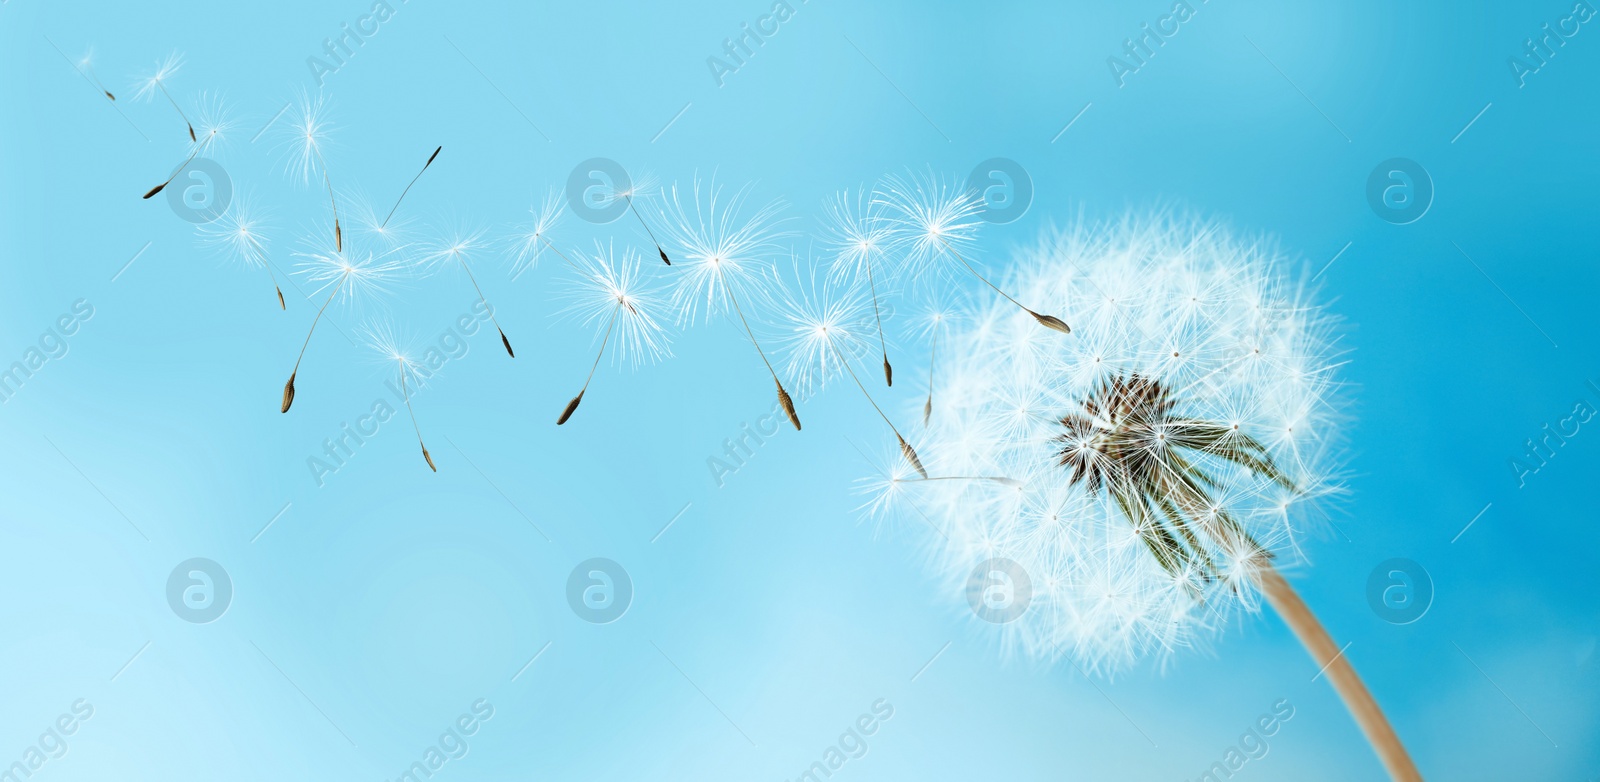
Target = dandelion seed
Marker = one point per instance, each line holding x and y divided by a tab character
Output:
408	186
641	187
455	249
86	66
395	235
934	219
216	124
609	289
157	82
337	274
728	257
860	235
1165	458
383	341
307	133
931	324
238	235
825	329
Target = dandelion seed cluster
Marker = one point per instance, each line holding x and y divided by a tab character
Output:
1212	330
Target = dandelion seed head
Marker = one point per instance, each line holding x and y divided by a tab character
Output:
726	247
530	239
238	235
610	292
216	124
305	134
1197	387
346	276
823	323
931	220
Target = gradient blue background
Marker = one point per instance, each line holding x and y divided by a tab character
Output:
378	607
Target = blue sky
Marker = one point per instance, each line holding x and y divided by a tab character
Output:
369	613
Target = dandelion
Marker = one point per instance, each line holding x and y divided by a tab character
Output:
308	131
610	289
457	248
530	240
238	235
1162	465
85	65
157	82
393	233
860	235
383	341
337	274
728	259
934	219
825	329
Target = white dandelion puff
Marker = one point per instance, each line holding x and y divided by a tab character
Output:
304	137
455	249
156	81
1173	486
239	235
530	239
860	236
342	278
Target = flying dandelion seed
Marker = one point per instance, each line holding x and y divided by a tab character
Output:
933	220
238	235
408	186
86	66
148	86
859	235
307	133
456	249
635	189
728	258
826	327
344	279
1162	465
216	125
383	341
932	323
529	240
610	289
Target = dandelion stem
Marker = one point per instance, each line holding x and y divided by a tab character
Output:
413	181
572	406
905	447
783	396
486	306
175	106
315	320
1044	320
872	285
274	277
631	208
407	395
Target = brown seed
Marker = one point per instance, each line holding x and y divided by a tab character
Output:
911	456
571	408
109	95
927	410
505	342
888	371
288	393
1050	322
788	406
429	458
281	305
191	133
664	256
154	190
338	237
